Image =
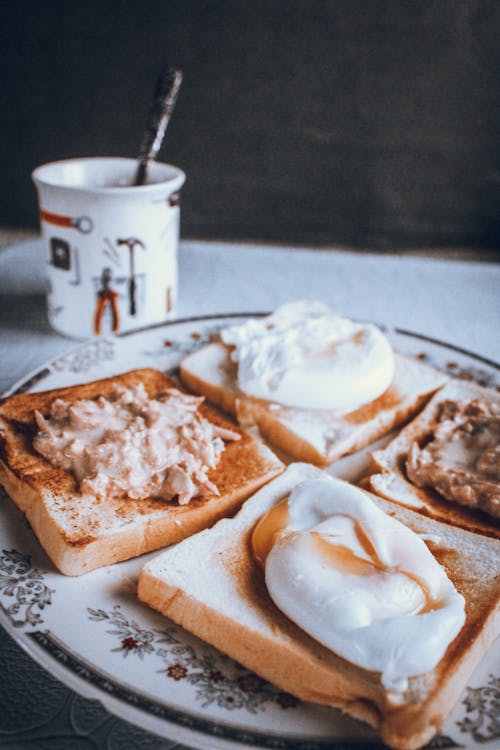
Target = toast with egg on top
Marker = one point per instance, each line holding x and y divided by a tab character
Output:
223	599
318	436
79	531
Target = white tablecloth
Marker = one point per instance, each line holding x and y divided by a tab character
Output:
455	301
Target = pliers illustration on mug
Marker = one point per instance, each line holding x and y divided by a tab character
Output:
106	297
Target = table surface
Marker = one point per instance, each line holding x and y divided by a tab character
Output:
455	301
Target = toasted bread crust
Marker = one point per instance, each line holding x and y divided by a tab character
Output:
80	533
306	434
388	477
237	615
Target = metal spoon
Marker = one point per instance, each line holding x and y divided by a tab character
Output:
160	112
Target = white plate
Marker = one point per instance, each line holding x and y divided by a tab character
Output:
93	634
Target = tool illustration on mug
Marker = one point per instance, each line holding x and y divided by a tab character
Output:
173	201
83	224
60	257
107	296
131	243
112	253
54	310
164	238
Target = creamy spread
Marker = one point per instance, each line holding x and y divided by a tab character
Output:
130	445
358	581
307	356
461	458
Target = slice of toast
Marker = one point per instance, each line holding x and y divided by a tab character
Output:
80	532
211	585
317	436
388	475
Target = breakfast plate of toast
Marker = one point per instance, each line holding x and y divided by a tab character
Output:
152	599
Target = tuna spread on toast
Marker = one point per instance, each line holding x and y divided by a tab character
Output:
460	458
131	445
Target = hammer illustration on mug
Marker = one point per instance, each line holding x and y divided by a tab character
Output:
131	243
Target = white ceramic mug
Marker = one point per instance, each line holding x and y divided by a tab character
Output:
111	247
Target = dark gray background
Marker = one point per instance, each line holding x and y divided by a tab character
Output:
369	122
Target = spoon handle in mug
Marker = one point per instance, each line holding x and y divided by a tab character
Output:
160	112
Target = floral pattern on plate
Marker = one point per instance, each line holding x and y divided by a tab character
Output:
230	686
24	595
